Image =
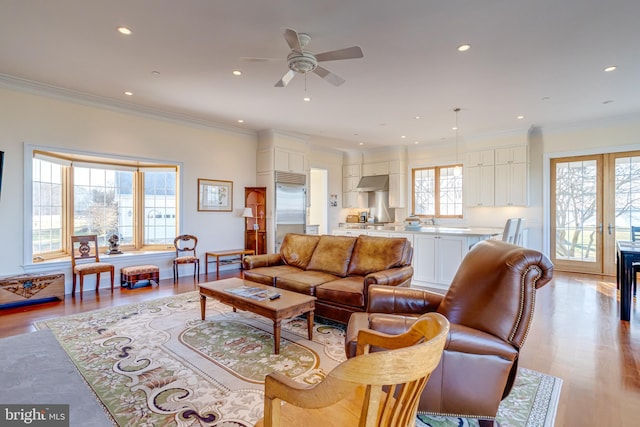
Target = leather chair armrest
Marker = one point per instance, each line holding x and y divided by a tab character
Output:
391	277
401	300
264	260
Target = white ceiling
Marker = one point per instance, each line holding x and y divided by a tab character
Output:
543	59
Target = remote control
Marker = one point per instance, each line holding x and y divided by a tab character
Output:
274	296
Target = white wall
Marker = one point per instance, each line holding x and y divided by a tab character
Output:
205	152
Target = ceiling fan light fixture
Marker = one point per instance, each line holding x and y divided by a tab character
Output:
302	63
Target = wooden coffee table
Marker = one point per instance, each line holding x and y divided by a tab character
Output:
289	304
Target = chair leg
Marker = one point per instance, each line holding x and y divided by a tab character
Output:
175	272
97	281
73	288
488	423
81	284
112	273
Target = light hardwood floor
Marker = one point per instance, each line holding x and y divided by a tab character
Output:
576	335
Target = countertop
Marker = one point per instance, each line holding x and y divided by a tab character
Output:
426	229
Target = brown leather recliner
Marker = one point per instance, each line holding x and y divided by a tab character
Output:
490	306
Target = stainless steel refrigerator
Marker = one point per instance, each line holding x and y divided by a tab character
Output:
290	208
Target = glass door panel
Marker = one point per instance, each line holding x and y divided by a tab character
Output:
576	200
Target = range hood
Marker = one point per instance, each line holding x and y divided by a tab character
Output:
374	183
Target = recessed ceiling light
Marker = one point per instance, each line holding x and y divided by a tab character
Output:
361	143
128	93
124	30
454	128
237	72
417	117
545	98
306	99
416	142
608	101
155	73
610	68
464	47
240	121
520	117
403	136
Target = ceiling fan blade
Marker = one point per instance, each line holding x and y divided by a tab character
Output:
346	53
285	79
291	36
334	79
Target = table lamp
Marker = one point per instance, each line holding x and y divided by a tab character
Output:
248	213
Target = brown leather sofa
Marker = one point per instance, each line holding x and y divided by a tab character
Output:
337	270
490	306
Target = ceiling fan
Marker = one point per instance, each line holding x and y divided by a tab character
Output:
302	61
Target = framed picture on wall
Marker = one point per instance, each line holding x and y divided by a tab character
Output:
215	195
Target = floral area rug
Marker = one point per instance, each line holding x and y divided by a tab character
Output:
157	364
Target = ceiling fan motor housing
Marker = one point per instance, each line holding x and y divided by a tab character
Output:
302	62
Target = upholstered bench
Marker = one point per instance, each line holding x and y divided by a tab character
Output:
31	288
129	276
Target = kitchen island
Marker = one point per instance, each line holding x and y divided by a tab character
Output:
437	249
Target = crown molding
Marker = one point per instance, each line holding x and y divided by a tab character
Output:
43	89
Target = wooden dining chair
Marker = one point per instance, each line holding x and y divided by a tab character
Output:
85	260
379	388
185	245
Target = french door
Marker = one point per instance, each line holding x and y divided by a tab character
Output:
595	200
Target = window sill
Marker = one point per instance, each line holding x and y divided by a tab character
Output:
120	260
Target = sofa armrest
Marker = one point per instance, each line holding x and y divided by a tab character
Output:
401	300
264	260
391	277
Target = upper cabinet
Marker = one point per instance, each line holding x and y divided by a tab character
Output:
288	161
479	178
370	169
397	184
350	179
279	159
512	177
497	177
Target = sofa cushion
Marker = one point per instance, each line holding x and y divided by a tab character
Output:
304	282
348	291
267	275
372	254
296	249
332	255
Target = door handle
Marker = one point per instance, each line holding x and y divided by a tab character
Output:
611	227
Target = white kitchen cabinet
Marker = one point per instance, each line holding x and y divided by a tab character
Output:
437	258
370	169
479	186
350	183
288	161
397	190
352	170
350	199
508	155
479	158
512	185
512	177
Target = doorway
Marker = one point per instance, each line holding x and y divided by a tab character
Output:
595	200
318	198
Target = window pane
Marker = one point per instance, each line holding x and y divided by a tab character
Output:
424	192
450	191
100	197
46	218
159	207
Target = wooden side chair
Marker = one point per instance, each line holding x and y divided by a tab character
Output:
85	260
381	388
513	231
186	254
